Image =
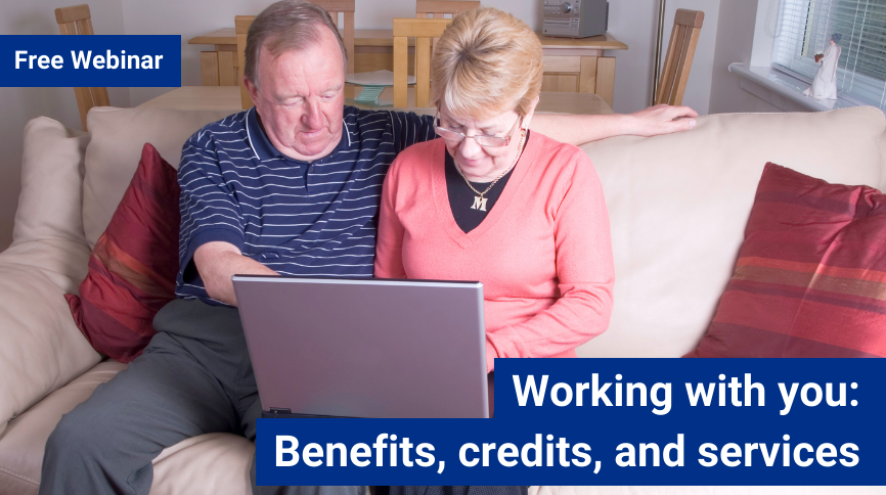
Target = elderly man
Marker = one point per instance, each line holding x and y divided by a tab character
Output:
292	187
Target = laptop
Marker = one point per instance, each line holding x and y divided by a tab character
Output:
366	348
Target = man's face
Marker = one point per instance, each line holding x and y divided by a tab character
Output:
301	98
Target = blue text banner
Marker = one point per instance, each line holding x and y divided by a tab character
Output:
614	422
91	61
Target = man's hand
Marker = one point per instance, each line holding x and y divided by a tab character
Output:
660	119
580	129
217	262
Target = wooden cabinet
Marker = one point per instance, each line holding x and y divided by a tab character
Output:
571	65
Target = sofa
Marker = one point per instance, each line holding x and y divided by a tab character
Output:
678	206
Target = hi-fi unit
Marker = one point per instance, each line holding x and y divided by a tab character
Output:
575	18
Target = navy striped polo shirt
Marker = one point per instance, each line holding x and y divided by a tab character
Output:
295	217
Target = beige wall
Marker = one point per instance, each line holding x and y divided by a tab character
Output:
18	105
735	40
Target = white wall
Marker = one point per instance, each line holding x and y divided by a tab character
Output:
22	104
735	42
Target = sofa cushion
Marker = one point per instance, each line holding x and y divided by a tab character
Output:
179	469
23	442
42	347
679	203
133	266
48	231
810	280
118	135
52	175
882	185
182	468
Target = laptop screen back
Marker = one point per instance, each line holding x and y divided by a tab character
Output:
366	347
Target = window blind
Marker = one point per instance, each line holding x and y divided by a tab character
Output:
805	27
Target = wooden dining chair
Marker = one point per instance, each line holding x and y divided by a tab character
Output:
333	7
77	20
241	28
423	30
678	61
436	9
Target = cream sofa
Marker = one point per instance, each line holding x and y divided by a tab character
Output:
678	206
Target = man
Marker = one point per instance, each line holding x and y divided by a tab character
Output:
292	187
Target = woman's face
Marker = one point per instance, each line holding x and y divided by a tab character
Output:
483	163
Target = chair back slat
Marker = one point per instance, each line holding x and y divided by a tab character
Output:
423	30
347	8
76	20
73	13
241	29
438	8
84	26
678	61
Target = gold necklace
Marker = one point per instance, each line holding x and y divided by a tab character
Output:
479	200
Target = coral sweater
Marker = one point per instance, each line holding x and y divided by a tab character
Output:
543	252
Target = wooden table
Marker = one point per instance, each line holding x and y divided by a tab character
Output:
571	65
228	98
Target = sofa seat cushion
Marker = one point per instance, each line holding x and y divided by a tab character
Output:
183	468
180	469
22	444
678	205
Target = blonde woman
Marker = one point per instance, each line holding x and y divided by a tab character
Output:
490	201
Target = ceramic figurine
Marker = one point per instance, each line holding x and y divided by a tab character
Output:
824	85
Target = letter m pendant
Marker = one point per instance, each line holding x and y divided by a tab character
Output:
479	203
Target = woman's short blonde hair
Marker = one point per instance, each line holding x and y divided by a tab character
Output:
487	62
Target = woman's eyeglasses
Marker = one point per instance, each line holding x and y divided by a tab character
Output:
481	139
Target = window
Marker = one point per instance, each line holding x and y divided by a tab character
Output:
805	27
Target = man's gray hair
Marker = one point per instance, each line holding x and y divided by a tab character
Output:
284	26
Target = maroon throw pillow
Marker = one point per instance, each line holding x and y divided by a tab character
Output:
133	266
810	280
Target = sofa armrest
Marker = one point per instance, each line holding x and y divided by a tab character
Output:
42	347
883	161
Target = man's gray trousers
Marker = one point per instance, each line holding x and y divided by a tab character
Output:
194	377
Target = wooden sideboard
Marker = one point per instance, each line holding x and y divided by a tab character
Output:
571	65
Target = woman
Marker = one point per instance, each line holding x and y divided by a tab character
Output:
489	201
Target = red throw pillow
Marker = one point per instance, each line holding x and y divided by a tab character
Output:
133	266
811	276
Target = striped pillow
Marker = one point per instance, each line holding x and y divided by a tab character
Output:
810	280
133	266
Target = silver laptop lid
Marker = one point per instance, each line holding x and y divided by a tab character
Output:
372	348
